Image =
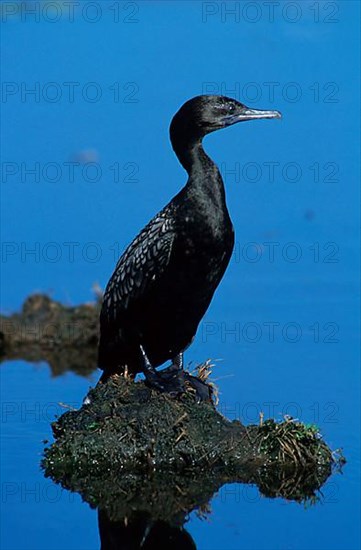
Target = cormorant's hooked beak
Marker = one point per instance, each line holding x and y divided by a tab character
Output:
250	114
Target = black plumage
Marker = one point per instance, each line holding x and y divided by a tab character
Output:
165	280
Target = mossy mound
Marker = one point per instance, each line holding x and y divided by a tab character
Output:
132	447
46	330
130	427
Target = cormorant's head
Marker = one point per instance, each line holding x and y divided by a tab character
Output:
204	114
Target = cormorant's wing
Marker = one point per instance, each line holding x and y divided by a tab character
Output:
142	263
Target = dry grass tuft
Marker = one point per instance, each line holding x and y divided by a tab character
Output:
291	441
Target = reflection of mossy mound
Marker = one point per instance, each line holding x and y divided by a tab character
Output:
133	448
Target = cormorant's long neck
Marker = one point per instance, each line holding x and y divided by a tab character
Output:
204	176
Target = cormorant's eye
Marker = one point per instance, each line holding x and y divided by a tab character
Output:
227	108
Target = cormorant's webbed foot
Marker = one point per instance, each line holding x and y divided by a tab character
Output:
172	380
166	381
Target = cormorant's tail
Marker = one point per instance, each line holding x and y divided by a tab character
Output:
113	359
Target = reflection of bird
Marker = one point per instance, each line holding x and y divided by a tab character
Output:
141	532
165	280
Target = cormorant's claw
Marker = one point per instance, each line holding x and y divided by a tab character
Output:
169	381
173	381
203	390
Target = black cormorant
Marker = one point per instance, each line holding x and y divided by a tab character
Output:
165	280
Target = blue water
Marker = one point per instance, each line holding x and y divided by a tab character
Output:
285	321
